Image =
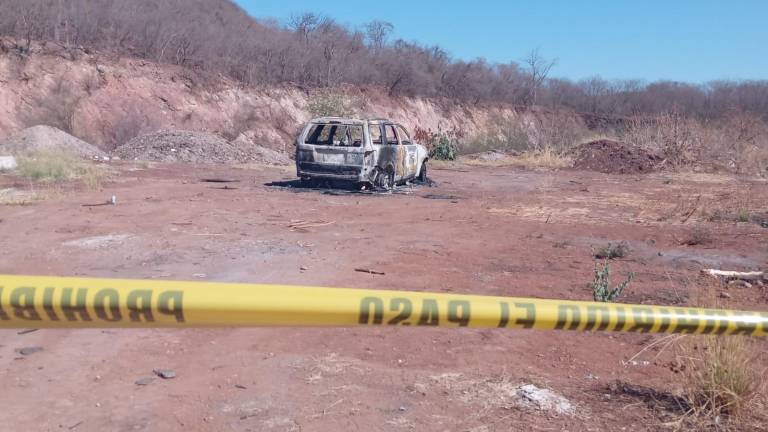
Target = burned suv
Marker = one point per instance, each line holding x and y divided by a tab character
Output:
365	151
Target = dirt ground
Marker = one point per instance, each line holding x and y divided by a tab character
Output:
479	230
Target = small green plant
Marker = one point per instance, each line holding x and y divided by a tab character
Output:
743	215
601	290
611	251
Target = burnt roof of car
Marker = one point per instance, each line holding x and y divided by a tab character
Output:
350	120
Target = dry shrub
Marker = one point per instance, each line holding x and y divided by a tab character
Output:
698	235
737	143
677	137
56	107
502	133
722	380
560	132
333	103
130	123
544	138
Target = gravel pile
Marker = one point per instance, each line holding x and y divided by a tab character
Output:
180	146
44	139
195	147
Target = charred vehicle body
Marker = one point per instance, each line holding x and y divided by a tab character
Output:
365	151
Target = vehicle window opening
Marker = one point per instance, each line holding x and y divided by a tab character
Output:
336	135
405	139
389	131
375	131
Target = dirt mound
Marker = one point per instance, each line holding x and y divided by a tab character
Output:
46	138
181	146
612	157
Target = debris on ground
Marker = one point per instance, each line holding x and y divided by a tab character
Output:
219	180
731	275
144	381
651	396
48	139
613	157
26	331
544	399
369	271
8	163
29	350
98	242
110	201
302	225
165	373
441	197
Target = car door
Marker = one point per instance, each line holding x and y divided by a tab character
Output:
411	160
394	153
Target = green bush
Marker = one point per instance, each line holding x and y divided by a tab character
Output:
445	149
601	290
442	145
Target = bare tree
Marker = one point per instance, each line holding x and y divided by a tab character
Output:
538	70
377	33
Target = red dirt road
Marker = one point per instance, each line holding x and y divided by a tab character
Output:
500	231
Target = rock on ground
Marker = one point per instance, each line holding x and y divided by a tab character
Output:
543	399
47	138
7	163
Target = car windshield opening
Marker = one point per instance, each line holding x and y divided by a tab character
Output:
337	135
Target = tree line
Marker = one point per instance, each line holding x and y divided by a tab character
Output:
315	51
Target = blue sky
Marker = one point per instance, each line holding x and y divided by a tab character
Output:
682	40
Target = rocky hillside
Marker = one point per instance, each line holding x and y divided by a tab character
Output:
108	102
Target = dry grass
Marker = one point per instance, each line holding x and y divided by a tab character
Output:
544	159
698	235
57	166
736	143
723	383
13	196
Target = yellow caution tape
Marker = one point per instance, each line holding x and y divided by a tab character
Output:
39	302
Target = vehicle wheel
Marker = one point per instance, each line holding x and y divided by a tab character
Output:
423	172
306	182
386	179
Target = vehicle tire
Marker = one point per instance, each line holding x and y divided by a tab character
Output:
386	179
306	182
423	172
